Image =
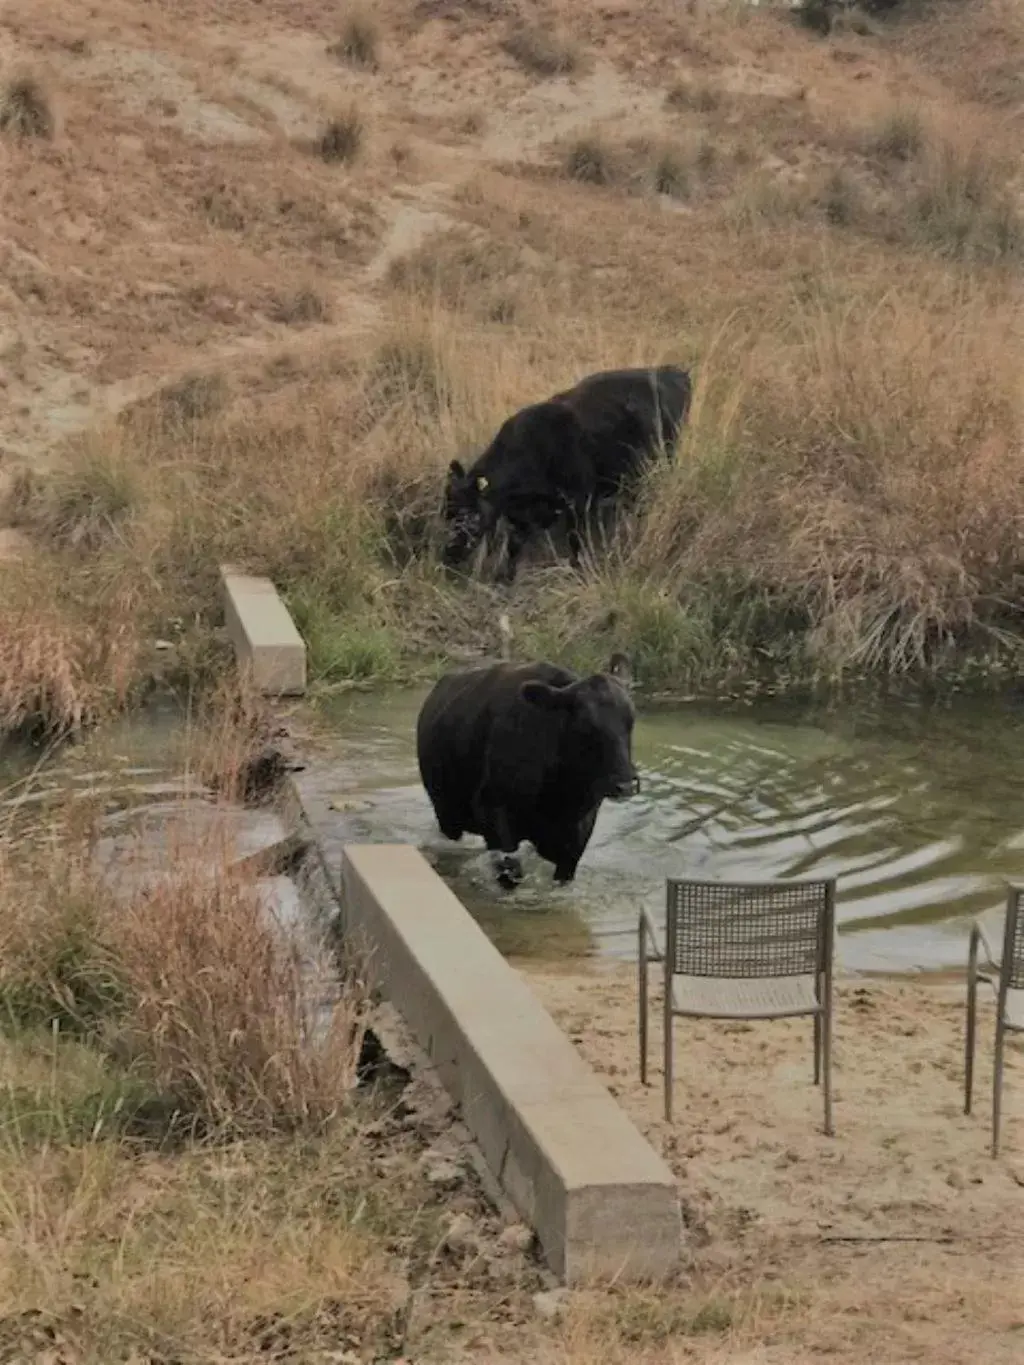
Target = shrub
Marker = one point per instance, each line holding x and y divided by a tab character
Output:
295	310
964	209
25	109
542	52
701	98
670	173
359	41
342	137
55	970
591	161
839	198
900	136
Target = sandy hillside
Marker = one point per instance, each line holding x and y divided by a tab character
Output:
898	1239
179	221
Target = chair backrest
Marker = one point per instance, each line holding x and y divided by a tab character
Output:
1012	973
750	929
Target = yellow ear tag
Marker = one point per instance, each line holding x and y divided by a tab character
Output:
482	484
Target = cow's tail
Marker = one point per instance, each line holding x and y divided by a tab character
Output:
505	631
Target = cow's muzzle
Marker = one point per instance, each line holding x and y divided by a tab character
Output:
622	791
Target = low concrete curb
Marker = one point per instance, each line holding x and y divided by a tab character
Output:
267	644
602	1202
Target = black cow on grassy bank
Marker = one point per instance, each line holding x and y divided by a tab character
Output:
527	752
557	457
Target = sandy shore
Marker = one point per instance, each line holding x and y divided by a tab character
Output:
898	1239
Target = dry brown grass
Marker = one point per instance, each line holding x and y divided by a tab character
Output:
220	1008
324	467
226	1008
63	663
187	1173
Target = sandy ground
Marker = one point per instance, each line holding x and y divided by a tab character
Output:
901	1235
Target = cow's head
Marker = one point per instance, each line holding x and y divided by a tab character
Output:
467	513
598	735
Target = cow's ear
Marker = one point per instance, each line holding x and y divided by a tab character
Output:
621	669
546	697
456	470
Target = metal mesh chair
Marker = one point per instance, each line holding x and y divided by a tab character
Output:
1007	979
744	950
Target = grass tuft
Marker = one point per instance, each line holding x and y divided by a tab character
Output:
964	208
25	107
359	42
225	1008
701	98
342	137
899	136
590	160
542	52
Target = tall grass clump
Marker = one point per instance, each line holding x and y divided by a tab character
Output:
542	52
92	495
227	1010
591	161
343	649
237	754
670	173
900	136
964	207
701	97
341	139
359	41
25	107
860	473
57	972
241	1021
70	648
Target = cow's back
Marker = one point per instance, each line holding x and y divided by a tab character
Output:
653	401
624	413
462	718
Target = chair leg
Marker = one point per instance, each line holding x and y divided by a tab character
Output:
668	1052
972	1014
817	1049
997	1085
826	1061
969	1043
644	1006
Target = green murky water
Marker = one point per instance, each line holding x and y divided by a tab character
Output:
918	811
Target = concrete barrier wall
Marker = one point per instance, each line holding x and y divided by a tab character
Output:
266	641
601	1200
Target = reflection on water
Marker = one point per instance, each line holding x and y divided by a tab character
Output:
919	812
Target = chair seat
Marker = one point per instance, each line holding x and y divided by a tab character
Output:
1014	1015
715	997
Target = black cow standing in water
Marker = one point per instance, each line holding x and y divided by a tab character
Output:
527	753
555	458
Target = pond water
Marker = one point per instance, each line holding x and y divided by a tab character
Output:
917	810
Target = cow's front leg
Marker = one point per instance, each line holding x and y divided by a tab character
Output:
517	538
504	847
575	520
